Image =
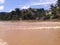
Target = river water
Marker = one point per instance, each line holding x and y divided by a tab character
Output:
17	33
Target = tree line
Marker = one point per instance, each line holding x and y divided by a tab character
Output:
33	13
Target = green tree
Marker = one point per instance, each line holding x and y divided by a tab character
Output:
14	16
54	12
40	14
58	7
18	13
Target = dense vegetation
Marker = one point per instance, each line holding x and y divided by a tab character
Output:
32	13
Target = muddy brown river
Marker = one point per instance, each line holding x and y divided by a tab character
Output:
30	33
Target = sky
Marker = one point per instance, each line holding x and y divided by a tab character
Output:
9	5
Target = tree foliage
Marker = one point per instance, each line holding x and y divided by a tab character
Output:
32	13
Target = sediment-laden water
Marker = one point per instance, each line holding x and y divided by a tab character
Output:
20	33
